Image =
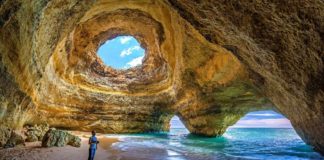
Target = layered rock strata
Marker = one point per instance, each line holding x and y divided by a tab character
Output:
209	62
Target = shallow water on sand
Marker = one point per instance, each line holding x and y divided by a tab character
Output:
236	143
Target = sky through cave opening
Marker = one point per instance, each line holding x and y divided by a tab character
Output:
256	119
122	52
177	127
263	119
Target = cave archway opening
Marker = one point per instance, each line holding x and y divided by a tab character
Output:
263	119
177	127
266	131
121	52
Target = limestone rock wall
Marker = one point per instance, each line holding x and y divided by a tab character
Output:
15	106
281	43
209	62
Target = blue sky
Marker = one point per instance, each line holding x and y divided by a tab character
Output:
122	52
263	119
258	119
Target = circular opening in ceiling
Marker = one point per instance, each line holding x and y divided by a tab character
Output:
122	52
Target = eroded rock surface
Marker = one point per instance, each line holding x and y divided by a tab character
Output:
36	132
16	138
281	44
5	133
209	62
59	138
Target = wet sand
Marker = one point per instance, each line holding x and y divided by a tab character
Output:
33	150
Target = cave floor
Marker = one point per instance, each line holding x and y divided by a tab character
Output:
33	150
178	144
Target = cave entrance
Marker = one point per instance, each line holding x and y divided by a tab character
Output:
268	132
263	119
122	52
177	127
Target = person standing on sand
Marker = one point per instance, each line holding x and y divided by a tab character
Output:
93	145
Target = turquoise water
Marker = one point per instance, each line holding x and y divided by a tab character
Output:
236	143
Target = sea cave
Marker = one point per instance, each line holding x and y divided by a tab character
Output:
204	64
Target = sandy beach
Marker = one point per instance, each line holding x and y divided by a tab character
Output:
34	151
176	145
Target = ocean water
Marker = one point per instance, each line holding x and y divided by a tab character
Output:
236	143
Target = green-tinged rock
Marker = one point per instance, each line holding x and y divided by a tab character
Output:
31	137
5	133
74	141
36	132
60	138
16	139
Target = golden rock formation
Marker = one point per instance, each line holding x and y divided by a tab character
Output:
209	62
